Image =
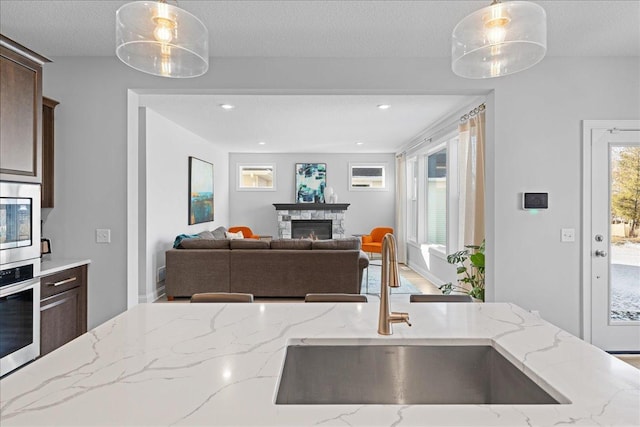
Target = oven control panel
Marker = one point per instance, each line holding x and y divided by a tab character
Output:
16	274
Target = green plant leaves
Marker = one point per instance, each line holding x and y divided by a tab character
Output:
477	259
469	273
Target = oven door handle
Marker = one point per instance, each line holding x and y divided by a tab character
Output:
21	286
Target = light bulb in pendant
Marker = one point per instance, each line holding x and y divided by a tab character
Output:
496	24
165	24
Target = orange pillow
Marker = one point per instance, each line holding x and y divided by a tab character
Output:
367	239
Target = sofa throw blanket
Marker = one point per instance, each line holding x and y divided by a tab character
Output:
181	237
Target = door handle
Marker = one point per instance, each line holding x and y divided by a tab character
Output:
601	253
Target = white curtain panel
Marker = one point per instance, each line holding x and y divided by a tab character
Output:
401	234
471	169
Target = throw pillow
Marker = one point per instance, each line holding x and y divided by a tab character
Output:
205	235
234	236
219	233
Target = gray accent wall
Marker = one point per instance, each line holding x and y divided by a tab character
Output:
255	208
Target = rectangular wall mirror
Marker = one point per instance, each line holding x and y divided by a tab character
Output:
367	176
256	177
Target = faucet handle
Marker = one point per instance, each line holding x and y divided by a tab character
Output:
397	317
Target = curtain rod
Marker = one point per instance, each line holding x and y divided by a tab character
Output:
479	109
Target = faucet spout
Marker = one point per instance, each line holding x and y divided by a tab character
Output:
388	280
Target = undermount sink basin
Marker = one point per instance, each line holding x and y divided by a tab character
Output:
403	374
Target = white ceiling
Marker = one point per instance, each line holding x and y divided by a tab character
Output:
307	123
316	28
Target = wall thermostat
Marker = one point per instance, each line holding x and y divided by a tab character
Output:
535	200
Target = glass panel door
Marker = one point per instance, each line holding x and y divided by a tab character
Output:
624	282
614	240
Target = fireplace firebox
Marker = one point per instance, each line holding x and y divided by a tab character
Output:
311	228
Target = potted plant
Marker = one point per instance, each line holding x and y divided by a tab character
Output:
470	270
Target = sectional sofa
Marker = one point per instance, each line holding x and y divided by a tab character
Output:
279	268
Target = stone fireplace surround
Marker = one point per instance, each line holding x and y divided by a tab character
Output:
286	212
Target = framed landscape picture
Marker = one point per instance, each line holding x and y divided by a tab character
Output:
311	179
200	191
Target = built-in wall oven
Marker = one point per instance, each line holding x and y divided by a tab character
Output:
19	274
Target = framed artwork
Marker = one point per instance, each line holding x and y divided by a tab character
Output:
256	177
367	176
200	191
311	179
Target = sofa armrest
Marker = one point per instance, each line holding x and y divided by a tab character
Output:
363	260
367	238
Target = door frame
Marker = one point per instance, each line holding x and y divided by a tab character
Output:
589	127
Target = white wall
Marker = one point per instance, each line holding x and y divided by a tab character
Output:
536	115
255	209
168	147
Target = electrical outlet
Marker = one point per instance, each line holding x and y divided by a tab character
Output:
162	273
103	235
568	235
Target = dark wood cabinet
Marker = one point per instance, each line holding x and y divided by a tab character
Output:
20	112
63	308
48	153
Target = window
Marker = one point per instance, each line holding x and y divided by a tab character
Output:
367	176
412	199
437	198
257	177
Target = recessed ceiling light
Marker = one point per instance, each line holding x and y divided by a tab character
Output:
261	143
227	106
384	106
359	143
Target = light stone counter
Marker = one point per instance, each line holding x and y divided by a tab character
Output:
218	364
50	265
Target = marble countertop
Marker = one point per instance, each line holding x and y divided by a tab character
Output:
173	364
50	265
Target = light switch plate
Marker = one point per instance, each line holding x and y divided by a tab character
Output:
568	235
103	235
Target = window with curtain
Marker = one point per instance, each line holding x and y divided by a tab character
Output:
437	198
412	199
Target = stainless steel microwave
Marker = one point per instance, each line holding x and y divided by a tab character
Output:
19	222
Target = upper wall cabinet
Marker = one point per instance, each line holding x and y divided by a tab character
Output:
20	112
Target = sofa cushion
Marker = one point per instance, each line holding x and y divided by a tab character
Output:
291	244
249	244
204	244
218	233
348	243
206	235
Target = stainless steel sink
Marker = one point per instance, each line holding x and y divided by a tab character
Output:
403	374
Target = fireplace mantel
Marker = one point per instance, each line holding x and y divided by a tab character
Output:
311	206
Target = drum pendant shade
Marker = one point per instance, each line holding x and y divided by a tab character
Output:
161	39
501	39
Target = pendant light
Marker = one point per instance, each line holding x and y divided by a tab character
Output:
500	39
161	39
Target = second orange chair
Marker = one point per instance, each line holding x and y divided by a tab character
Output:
372	242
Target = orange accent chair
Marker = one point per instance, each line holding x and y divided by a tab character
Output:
246	232
372	242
